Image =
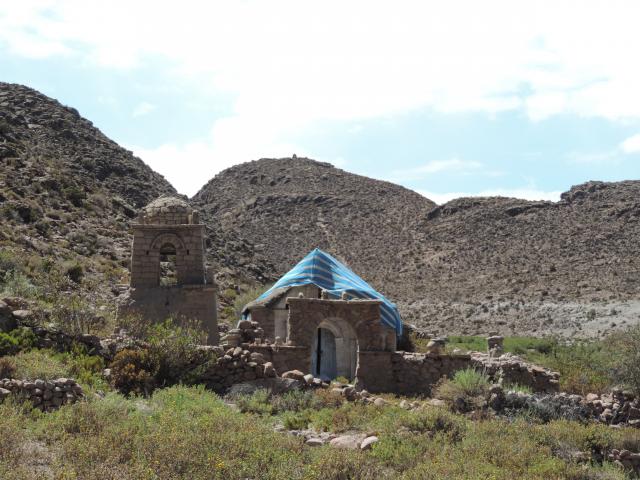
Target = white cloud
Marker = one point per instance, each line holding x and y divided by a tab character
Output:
616	155
594	158
631	144
362	58
434	167
142	109
523	193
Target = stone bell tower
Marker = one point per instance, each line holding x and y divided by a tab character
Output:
168	275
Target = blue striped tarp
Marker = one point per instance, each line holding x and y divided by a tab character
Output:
321	269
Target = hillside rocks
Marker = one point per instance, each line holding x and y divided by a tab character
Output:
286	207
45	395
519	267
66	190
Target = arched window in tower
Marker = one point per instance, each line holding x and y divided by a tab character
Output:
168	273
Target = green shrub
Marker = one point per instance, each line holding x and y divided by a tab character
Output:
466	391
21	338
477	344
471	381
43	227
132	372
338	464
258	402
264	403
295	401
75	195
44	364
524	345
17	284
8	344
74	271
174	350
348	416
7	367
584	366
86	369
49	365
627	370
294	420
9	262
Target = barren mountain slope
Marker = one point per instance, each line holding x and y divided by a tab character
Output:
519	266
66	190
288	206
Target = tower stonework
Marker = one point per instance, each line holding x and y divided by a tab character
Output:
168	274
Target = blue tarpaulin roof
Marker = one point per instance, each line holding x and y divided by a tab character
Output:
321	269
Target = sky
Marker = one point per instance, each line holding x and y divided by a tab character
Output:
450	99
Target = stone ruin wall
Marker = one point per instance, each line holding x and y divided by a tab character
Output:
380	367
417	373
45	395
232	366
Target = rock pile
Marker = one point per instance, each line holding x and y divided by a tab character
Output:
626	459
234	365
618	408
46	395
246	333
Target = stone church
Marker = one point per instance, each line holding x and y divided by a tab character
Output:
332	317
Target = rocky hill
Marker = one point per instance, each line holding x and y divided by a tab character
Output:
286	207
570	267
66	190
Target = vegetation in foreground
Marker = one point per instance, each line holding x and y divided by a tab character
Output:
187	432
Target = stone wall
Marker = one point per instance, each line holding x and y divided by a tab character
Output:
46	395
285	357
232	366
363	316
417	373
512	370
265	317
190	302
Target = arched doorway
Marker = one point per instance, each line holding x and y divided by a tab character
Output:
334	350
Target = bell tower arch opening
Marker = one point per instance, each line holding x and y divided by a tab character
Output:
168	268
